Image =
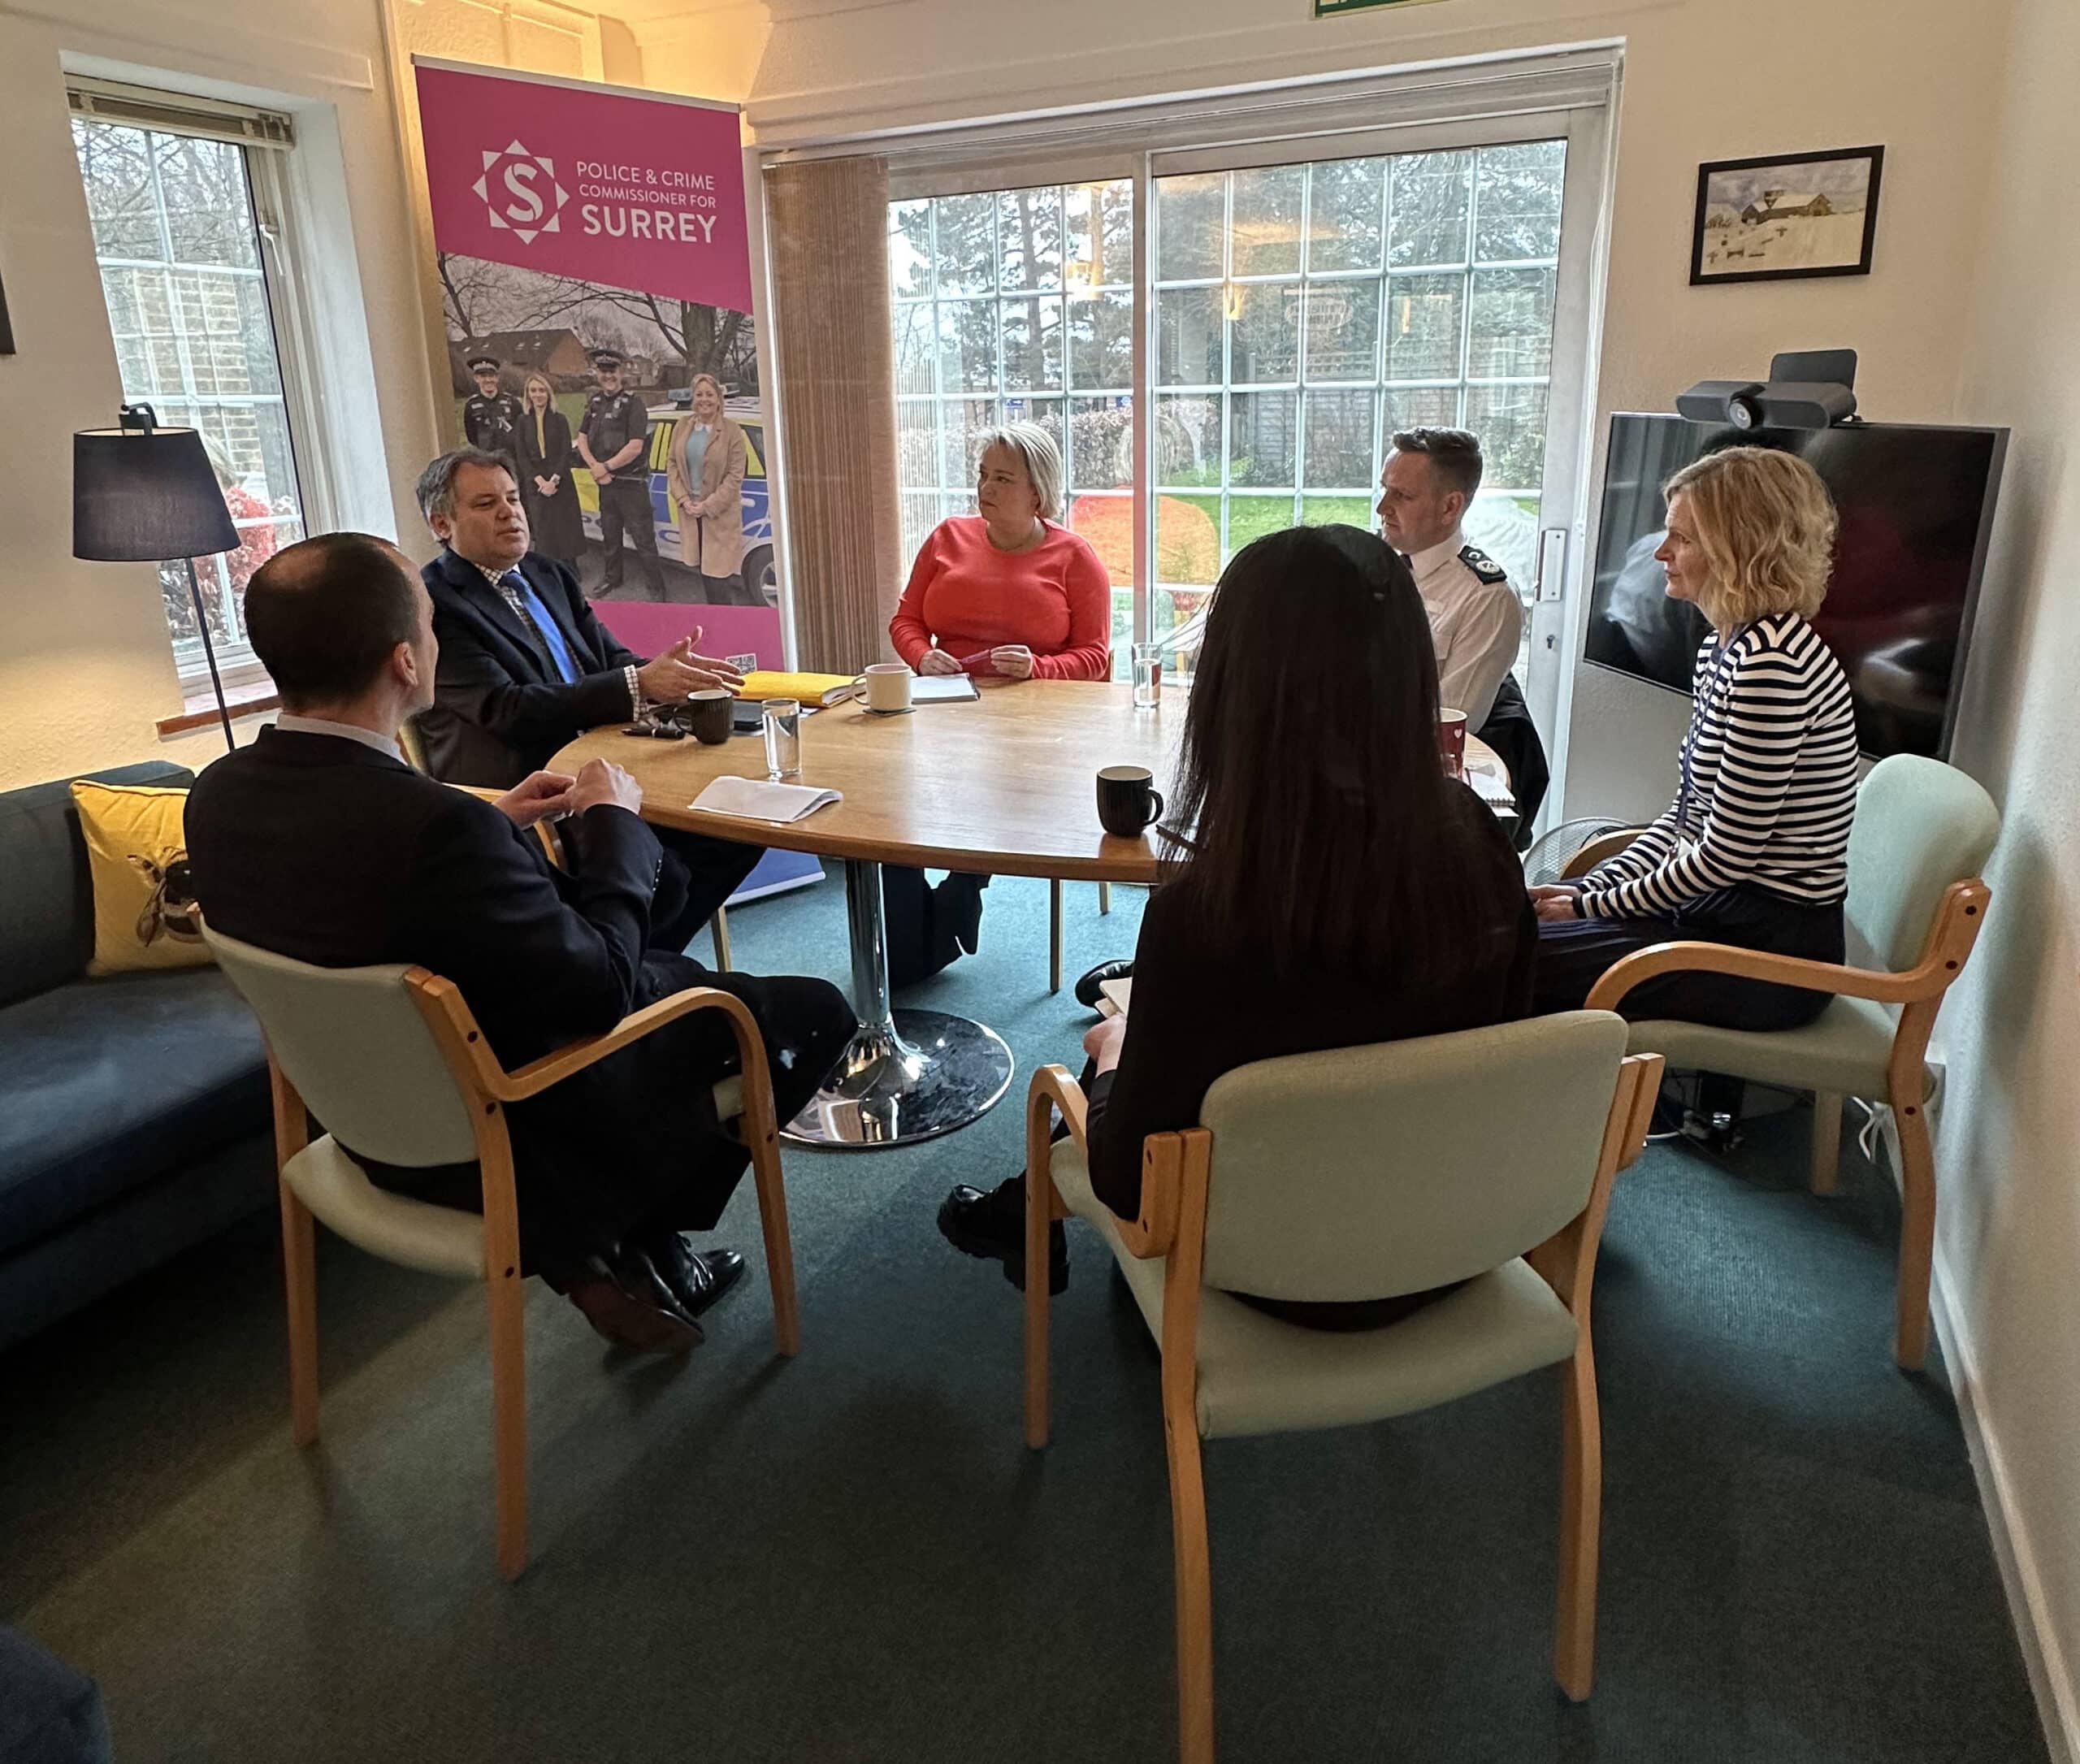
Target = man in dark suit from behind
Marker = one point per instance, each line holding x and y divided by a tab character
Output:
318	842
526	666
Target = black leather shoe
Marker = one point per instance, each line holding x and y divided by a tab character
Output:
696	1278
991	1227
1087	994
628	1307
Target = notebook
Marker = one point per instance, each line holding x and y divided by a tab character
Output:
942	688
752	798
1489	788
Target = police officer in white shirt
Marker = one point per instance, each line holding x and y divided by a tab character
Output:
1476	620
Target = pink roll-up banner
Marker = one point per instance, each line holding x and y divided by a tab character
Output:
592	250
593	253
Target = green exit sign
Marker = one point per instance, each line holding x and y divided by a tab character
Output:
1331	9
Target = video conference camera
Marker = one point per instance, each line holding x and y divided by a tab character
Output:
1806	389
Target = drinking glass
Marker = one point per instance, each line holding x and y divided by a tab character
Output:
1148	676
783	738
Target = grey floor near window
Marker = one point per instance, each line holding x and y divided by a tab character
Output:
853	1557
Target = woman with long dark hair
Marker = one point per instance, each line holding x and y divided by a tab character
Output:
1328	887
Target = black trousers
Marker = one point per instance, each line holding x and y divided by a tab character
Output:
699	874
618	1155
624	507
1574	953
926	924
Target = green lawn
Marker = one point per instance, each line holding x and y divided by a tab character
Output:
1250	518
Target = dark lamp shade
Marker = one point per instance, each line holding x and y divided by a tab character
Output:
143	498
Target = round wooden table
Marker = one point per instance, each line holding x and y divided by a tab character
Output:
1004	785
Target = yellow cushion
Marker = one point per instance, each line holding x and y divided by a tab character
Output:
137	857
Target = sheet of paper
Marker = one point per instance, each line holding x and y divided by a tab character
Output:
752	798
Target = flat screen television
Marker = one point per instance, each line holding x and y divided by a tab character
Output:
1915	504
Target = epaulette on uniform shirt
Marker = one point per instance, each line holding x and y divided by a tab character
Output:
1482	564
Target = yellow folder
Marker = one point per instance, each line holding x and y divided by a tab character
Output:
810	688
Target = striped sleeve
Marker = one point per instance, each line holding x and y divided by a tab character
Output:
1655	843
1773	796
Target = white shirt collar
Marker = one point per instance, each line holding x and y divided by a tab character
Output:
319	725
1423	561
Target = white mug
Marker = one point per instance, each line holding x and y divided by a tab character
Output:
888	686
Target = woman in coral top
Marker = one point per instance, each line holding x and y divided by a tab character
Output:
1009	593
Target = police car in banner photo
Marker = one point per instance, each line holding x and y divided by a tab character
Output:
761	571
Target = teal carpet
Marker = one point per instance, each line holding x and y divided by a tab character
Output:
852	1556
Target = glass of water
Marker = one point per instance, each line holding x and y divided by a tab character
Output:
783	738
1148	676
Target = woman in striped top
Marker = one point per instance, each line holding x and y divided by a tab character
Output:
1753	851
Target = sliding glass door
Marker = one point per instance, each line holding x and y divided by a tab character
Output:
1295	303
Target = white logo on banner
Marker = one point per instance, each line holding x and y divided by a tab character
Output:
521	193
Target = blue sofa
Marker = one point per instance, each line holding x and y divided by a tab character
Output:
134	1114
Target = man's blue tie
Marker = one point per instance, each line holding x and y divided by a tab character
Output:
545	627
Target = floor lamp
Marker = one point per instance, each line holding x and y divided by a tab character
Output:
142	494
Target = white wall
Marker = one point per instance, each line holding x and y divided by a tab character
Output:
1918	76
2008	1227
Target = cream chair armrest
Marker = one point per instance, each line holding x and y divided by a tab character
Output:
441	1002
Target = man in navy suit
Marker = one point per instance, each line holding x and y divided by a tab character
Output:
318	842
526	666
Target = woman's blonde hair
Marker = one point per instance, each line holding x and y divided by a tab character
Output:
528	385
1766	525
691	384
1036	449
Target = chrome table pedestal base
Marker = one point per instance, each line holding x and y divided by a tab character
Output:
907	1075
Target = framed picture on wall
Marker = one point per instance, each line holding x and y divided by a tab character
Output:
1792	214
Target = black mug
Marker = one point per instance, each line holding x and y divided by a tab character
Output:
1127	801
710	712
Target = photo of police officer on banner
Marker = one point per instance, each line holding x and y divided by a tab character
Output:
613	440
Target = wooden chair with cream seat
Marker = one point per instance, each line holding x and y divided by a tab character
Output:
1486	1156
414	751
1922	833
390	1060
